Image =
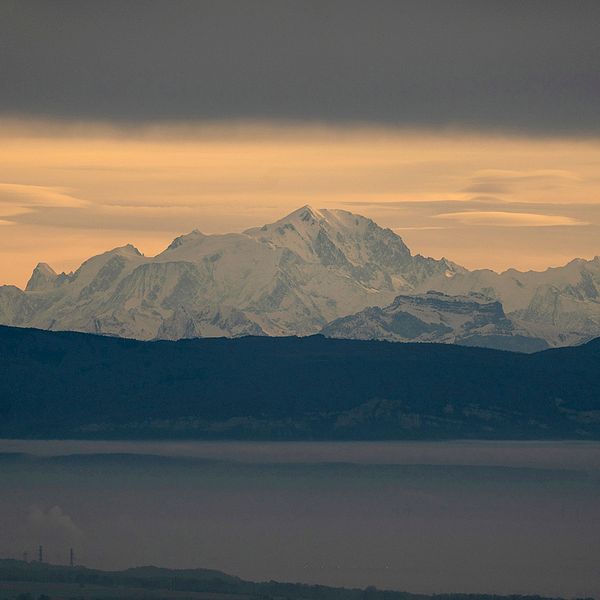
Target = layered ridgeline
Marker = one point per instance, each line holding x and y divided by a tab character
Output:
76	385
288	278
295	277
472	320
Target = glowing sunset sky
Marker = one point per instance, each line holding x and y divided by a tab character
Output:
470	128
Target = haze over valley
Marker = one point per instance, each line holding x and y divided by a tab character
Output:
503	518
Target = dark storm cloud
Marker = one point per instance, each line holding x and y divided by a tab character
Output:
531	66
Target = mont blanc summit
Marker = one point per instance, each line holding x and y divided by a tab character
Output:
294	277
287	278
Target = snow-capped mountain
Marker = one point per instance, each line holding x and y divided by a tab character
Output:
560	304
287	278
472	320
293	277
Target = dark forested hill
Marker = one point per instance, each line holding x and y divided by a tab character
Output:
64	384
133	582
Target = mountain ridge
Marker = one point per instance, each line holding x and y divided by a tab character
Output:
472	320
294	276
290	277
79	385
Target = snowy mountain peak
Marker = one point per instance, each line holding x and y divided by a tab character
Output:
42	278
45	269
306	214
304	221
295	275
307	219
128	250
336	237
192	237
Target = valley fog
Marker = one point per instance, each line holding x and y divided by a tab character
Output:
487	517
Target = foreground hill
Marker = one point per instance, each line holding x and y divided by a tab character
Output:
153	582
64	384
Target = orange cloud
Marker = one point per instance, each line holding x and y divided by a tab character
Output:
73	190
510	219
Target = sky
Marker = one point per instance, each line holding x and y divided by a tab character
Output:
470	128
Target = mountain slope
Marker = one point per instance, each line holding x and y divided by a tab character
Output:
64	384
290	277
472	320
566	299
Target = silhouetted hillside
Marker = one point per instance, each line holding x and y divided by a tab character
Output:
203	580
63	384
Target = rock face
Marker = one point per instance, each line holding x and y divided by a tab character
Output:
287	278
472	320
42	279
561	304
294	277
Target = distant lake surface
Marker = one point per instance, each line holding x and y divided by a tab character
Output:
494	517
